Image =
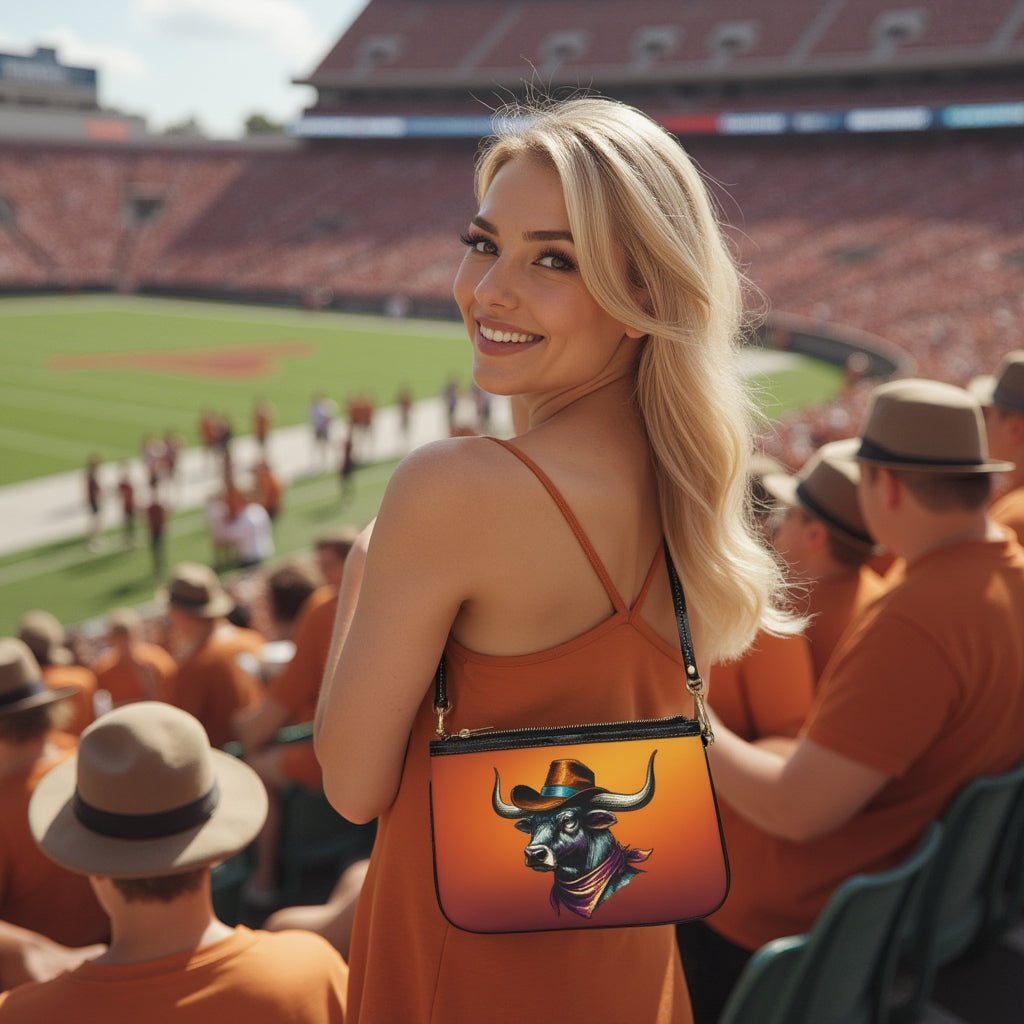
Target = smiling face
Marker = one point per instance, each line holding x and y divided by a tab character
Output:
535	327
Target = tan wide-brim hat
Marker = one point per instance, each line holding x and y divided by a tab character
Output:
146	796
21	679
826	487
1005	388
926	426
195	589
45	637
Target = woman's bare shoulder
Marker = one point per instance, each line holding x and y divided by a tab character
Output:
452	477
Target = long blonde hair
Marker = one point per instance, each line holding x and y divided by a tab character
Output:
635	199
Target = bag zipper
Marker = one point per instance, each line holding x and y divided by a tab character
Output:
487	737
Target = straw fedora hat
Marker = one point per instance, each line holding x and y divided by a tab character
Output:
1003	389
146	796
45	637
21	679
826	487
195	589
928	426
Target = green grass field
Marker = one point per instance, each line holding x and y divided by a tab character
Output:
96	373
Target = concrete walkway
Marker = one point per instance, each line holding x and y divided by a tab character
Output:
52	508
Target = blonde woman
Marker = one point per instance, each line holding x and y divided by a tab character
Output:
597	292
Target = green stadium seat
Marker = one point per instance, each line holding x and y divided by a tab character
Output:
1006	889
838	972
314	835
950	907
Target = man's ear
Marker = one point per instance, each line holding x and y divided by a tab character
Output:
815	534
892	488
1017	428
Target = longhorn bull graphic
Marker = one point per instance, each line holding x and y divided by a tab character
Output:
568	821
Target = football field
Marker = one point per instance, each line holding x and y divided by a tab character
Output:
94	374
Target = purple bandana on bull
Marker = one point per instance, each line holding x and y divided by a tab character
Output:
583	896
569	824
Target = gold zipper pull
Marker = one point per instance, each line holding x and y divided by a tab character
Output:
464	734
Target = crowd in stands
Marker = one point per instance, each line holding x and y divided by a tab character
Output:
849	524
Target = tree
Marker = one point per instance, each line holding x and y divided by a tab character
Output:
260	124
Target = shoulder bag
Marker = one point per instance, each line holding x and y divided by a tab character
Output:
578	826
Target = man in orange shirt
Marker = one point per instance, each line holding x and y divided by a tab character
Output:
768	690
291	697
45	637
923	693
143	811
210	683
1002	397
132	669
35	894
823	538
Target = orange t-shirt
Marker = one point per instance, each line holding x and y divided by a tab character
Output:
253	976
833	604
35	892
927	687
618	670
297	686
83	712
768	690
146	676
212	685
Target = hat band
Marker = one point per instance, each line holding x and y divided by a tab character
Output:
147	826
189	602
21	693
829	519
561	791
1005	400
873	451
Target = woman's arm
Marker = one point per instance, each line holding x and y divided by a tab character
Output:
399	595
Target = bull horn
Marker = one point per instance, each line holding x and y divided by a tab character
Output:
500	807
628	801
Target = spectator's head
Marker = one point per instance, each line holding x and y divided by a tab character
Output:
194	597
331	551
145	798
822	529
1002	398
25	700
123	626
929	437
45	637
288	586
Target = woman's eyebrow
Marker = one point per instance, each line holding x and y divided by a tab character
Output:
528	236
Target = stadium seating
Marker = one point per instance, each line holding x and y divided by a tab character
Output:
839	972
949	910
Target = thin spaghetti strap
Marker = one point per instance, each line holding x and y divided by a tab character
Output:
570	518
656	561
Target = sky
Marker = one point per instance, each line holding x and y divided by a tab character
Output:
168	60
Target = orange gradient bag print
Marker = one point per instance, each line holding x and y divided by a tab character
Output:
586	827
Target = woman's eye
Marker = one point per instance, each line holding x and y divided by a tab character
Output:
478	243
556	261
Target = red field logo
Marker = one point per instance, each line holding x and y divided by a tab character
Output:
228	362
